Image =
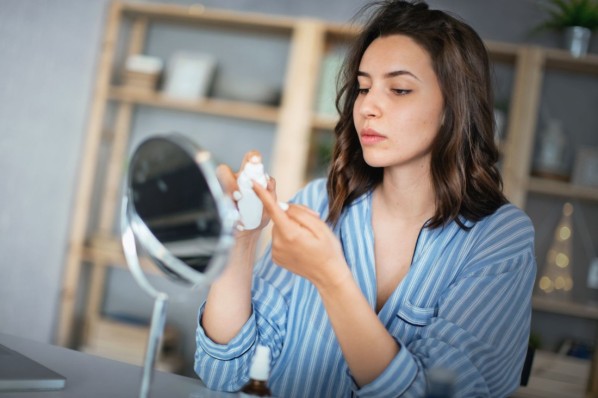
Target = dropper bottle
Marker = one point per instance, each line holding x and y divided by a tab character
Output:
250	206
257	386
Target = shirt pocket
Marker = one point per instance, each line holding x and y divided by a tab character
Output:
416	315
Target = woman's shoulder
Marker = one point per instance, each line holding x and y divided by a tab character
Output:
508	217
508	232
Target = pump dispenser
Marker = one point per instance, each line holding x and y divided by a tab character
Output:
250	206
258	374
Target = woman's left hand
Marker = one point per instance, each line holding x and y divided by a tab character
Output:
304	244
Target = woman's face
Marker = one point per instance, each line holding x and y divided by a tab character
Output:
399	108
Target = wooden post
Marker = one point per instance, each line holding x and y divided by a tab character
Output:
291	145
82	201
109	206
522	124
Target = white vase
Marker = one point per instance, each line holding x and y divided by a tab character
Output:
577	40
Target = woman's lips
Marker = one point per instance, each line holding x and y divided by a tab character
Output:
370	136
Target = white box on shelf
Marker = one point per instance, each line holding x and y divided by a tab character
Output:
189	75
144	64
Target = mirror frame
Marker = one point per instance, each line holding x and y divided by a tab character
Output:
171	265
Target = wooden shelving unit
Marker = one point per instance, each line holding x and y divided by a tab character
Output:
533	63
295	122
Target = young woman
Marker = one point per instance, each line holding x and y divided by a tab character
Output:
408	258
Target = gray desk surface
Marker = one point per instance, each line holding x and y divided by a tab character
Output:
92	376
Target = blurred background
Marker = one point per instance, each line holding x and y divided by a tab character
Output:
53	60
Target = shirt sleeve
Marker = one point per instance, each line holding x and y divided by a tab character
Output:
480	329
225	367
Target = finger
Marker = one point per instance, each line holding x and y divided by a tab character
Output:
271	185
276	213
227	179
307	209
248	156
305	217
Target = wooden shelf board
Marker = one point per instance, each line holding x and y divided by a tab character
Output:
556	376
579	310
199	14
107	251
562	59
502	52
339	32
562	189
216	107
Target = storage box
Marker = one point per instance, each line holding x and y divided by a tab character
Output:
142	72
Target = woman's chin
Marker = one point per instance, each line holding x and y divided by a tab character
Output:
375	161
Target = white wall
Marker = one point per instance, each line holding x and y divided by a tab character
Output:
48	52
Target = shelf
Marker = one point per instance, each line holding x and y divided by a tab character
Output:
561	59
107	251
502	52
199	15
216	107
342	32
579	310
127	341
562	189
556	376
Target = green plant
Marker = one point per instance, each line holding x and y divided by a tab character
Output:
535	340
567	13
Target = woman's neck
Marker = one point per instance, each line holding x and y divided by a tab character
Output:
408	196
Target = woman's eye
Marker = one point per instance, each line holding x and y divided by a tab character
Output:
400	91
362	91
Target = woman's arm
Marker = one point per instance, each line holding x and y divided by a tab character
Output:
228	305
306	246
367	346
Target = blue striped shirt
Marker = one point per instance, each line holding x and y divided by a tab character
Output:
464	305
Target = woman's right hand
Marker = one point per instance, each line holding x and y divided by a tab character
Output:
228	180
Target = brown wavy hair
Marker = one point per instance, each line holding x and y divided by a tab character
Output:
466	181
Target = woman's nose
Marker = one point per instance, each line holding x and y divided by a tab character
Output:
370	105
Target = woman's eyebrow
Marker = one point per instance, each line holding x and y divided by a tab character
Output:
389	74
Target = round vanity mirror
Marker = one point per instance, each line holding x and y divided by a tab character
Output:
177	209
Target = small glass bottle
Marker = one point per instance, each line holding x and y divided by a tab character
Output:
441	383
257	386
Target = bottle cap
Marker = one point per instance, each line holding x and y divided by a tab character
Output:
254	169
260	365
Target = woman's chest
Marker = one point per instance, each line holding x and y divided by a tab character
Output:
394	248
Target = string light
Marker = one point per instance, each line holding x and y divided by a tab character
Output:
555	280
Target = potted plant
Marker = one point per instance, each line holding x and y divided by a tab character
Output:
577	19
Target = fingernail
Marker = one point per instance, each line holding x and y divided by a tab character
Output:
240	228
283	205
237	195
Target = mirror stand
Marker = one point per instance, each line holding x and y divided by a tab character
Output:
155	335
176	210
160	303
